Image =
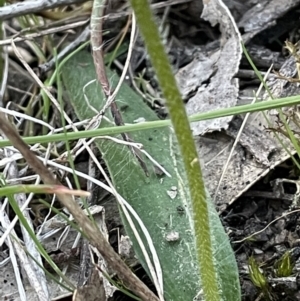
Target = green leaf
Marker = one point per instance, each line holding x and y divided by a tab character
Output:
149	196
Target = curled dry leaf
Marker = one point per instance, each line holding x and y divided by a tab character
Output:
220	68
251	159
264	15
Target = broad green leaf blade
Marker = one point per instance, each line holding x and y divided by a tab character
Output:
162	203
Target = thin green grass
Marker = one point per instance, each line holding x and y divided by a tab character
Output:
249	108
290	135
38	245
67	136
284	267
10	191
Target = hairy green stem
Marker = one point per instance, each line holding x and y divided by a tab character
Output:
185	139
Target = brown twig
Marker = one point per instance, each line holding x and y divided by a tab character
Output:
98	56
94	235
32	6
41	31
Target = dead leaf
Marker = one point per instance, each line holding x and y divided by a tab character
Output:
258	150
264	15
222	90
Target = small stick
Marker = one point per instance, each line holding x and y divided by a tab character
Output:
94	235
98	56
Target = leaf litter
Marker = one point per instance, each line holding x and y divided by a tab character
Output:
209	82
